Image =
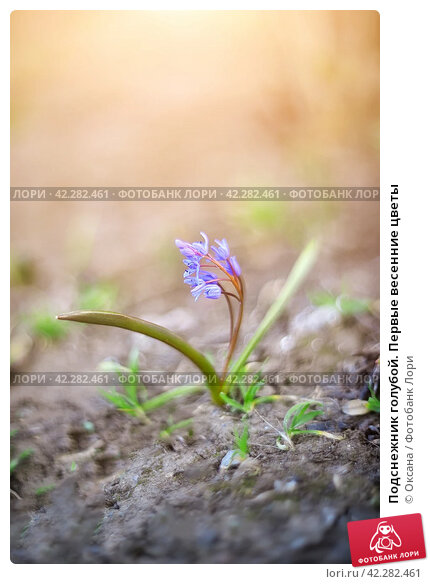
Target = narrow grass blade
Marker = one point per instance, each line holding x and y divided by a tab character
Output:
293	415
305	418
232	402
167	396
298	273
318	433
266	399
167	432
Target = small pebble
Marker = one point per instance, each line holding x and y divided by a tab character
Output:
355	407
232	459
285	487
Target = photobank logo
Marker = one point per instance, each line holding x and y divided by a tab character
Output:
389	539
385	538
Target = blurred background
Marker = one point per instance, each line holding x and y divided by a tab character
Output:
207	98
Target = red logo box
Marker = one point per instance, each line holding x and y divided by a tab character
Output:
388	539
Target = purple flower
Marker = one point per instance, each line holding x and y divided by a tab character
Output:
222	252
193	250
235	265
193	266
185	248
201	281
200	278
205	282
211	291
200	246
222	255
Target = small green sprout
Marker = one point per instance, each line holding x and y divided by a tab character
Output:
246	397
134	401
234	457
295	418
173	427
131	401
373	403
241	441
43	490
19	458
22	270
97	296
44	325
343	303
16	460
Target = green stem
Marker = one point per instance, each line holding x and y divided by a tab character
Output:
155	331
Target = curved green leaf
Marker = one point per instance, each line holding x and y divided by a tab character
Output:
155	331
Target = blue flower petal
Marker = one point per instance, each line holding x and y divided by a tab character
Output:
235	265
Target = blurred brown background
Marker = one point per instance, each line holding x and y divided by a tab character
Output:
189	99
166	98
